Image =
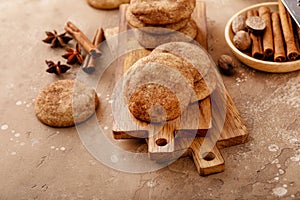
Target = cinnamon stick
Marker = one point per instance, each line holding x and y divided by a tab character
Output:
279	51
90	62
288	33
82	39
298	32
298	39
267	38
257	50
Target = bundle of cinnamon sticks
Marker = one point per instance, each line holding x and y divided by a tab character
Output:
90	47
281	38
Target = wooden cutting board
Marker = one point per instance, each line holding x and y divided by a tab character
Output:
165	144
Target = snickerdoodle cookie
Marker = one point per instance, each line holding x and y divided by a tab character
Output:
151	41
151	88
172	61
106	4
205	86
162	12
134	22
154	103
65	103
192	53
202	66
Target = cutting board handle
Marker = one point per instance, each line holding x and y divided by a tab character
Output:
208	162
160	143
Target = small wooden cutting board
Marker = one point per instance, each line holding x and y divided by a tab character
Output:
165	144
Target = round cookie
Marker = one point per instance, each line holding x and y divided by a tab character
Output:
151	41
65	103
162	12
205	86
134	22
174	62
192	53
159	78
106	4
154	103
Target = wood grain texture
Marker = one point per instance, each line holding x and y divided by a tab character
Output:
131	128
208	163
179	140
199	15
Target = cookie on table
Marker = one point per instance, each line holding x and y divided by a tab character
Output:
134	22
65	103
151	41
106	4
162	12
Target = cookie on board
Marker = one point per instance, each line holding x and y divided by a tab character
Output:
148	84
174	62
162	12
134	22
192	53
154	103
205	86
151	41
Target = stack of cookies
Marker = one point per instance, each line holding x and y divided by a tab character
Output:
160	86
157	22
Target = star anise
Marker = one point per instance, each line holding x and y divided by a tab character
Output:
56	68
73	55
57	40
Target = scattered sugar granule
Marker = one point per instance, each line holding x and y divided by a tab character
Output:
17	135
279	191
4	127
273	148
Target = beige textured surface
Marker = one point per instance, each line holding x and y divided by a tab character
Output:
31	167
65	103
162	12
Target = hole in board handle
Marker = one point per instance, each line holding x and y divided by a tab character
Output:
208	156
161	142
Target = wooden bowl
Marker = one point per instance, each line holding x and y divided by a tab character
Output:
266	66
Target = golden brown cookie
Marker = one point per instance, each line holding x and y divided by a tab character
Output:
151	41
192	53
106	4
163	80
205	86
154	103
174	62
65	103
134	22
162	12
